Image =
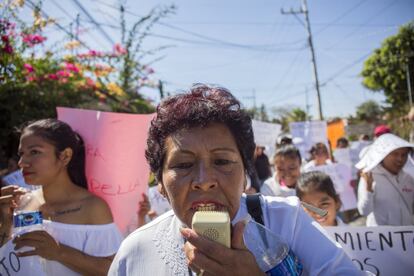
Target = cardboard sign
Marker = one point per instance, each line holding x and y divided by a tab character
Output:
343	156
265	134
116	168
382	250
16	178
336	130
341	176
311	132
11	264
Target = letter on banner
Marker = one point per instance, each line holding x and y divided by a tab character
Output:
116	168
11	264
383	250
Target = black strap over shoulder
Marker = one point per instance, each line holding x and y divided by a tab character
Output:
254	208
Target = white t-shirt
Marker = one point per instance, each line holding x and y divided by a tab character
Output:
310	166
157	247
271	187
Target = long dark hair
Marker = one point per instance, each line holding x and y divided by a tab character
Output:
61	135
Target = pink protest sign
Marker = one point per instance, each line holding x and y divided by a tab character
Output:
116	168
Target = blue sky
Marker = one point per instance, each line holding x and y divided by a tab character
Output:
252	49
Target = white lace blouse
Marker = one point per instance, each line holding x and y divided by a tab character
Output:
157	247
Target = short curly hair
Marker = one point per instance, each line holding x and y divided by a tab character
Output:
200	106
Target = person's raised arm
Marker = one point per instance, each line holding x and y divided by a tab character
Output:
365	194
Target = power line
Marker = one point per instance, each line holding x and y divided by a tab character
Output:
392	2
207	38
340	17
345	68
102	31
304	10
45	15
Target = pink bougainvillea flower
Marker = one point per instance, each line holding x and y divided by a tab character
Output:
33	39
63	74
71	67
90	82
52	77
148	70
8	49
31	78
93	53
28	67
5	38
63	80
119	50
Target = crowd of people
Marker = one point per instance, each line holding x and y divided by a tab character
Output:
202	153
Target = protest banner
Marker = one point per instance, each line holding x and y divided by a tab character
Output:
382	250
336	130
116	168
11	264
265	134
310	133
341	176
409	166
343	156
16	178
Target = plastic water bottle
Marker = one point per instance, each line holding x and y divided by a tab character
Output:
26	216
26	220
271	252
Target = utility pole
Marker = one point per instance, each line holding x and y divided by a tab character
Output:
304	10
410	60
307	105
161	89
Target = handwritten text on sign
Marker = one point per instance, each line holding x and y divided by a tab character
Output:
11	264
116	168
383	250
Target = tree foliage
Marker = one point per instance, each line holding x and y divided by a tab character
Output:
369	111
35	78
386	69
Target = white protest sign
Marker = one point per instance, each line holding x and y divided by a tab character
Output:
341	177
382	250
16	178
265	134
409	166
310	132
343	156
11	264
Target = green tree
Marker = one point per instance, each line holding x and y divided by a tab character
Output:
297	115
386	69
369	111
34	80
286	115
